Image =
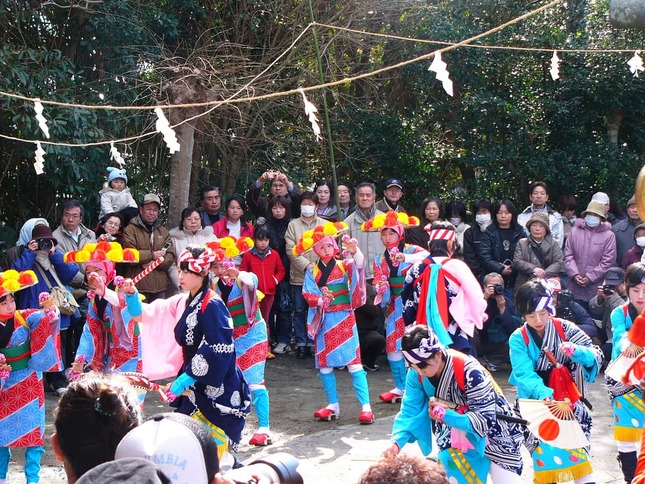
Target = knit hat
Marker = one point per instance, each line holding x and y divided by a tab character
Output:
114	173
540	217
595	208
180	446
43	232
632	201
640	226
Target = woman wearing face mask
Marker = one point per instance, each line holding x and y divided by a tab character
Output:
635	254
589	252
473	236
457	212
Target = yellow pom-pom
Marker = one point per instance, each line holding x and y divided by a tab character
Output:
309	234
83	255
89	247
403	218
232	252
226	243
115	255
11	285
307	243
115	246
329	229
379	221
11	274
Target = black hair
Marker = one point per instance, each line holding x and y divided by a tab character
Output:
510	206
238	198
458	207
635	274
439	247
567	202
282	201
92	417
527	295
113	214
205	190
195	252
413	337
261	232
365	184
185	213
332	192
537	184
440	204
71	204
309	196
482	204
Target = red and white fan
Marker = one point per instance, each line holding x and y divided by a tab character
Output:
554	423
619	370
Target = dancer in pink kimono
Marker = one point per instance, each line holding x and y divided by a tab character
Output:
443	294
332	290
390	269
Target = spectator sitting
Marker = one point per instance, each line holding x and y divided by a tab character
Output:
116	197
211	203
405	468
326	200
370	323
391	196
191	231
90	420
538	255
280	186
503	319
456	212
567	308
624	231
110	229
635	254
611	294
473	236
432	210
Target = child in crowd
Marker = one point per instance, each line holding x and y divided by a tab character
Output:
266	264
332	290
390	269
534	349
238	290
626	399
116	197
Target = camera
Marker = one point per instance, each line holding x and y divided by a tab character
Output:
279	468
498	289
608	289
565	297
45	244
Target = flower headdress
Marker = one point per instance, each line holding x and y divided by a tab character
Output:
13	281
331	230
229	247
103	252
390	220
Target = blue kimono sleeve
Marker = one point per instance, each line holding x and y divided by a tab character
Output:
523	375
413	423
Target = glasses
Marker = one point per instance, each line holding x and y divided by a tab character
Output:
71	216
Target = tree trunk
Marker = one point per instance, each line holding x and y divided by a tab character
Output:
627	13
182	162
613	125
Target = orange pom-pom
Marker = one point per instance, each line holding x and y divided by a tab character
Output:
27	278
104	246
318	236
244	244
99	255
391	218
214	246
636	333
130	255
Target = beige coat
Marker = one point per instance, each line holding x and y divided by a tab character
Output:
525	260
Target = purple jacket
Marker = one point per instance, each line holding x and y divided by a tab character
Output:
589	252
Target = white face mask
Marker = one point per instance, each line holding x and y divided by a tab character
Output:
307	210
455	221
592	221
482	218
640	241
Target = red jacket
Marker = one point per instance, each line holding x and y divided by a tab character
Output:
220	230
269	269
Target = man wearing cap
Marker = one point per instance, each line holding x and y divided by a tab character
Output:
391	196
539	196
624	231
280	186
146	234
611	294
589	252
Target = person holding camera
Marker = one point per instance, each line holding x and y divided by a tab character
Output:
538	255
39	253
611	294
503	319
567	308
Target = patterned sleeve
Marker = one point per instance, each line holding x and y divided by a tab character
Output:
216	352
92	338
310	290
588	355
523	375
412	423
410	294
44	353
379	275
481	401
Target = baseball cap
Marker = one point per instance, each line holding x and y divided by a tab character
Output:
150	198
179	445
394	182
614	276
132	470
554	283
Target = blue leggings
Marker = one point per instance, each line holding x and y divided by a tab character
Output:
32	462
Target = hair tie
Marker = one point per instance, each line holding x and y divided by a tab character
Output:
99	409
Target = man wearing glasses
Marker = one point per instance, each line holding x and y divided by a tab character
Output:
146	234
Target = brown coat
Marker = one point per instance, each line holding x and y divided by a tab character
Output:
137	235
525	260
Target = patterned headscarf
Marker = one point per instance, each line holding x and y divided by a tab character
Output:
427	347
200	264
545	302
439	234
